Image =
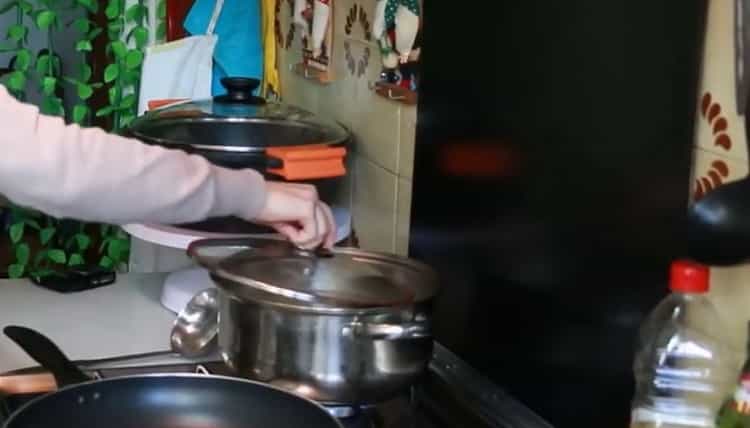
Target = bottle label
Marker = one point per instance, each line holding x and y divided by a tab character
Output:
658	418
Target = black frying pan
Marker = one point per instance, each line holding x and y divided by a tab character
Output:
156	401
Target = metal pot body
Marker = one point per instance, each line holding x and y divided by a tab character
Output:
335	357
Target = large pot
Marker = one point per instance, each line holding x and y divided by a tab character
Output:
240	130
349	328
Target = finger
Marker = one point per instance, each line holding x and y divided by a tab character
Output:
329	238
289	230
308	231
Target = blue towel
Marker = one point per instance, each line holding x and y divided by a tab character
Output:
239	50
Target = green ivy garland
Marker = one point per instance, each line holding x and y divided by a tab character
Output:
59	243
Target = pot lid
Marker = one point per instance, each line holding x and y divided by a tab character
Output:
343	277
237	119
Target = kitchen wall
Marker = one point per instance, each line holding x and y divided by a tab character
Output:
721	155
380	167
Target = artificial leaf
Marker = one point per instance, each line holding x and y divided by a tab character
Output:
82	25
130	77
84	91
45	19
42	64
114	94
46	234
17	81
48	85
115	249
31	223
16	232
8	6
115	28
135	13
84	46
83	241
119	49
22	253
75	260
16	270
16	32
104	111
140	34
80	111
111	73
52	106
162	9
133	59
127	102
57	256
113	9
94	33
23	60
161	31
85	72
26	6
91	5
106	263
126	119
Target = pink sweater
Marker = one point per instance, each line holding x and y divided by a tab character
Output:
86	174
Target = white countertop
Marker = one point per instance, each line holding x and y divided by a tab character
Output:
124	318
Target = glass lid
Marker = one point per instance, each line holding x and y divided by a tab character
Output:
344	277
237	118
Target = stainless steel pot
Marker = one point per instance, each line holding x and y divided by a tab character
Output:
331	346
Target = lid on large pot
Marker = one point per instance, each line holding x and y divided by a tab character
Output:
343	277
237	120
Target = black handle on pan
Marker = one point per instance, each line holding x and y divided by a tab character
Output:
47	354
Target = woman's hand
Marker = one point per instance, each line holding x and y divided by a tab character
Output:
296	212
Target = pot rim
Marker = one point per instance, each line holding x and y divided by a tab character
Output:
230	288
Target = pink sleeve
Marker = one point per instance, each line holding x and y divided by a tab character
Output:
87	174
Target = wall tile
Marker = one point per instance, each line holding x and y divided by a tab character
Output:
377	131
711	170
730	293
720	128
407	141
403	216
374	206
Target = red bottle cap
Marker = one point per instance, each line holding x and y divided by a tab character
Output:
688	277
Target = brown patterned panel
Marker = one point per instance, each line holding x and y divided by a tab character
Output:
711	111
357	14
281	40
357	65
712	179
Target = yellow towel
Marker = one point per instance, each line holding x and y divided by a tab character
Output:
270	70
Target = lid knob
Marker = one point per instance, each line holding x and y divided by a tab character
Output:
240	91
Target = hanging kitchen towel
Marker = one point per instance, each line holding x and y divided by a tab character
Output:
239	49
180	69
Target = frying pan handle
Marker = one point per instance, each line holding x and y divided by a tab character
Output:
47	354
387	331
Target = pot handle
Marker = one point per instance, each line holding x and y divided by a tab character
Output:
315	161
386	331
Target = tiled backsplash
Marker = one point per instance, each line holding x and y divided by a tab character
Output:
721	155
384	131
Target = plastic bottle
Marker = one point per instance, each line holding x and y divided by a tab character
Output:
684	365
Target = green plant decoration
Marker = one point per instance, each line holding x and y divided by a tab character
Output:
18	36
42	245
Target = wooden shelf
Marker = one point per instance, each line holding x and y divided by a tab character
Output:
396	93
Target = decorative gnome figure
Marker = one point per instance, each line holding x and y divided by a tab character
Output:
319	15
397	28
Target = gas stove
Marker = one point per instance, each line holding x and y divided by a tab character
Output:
451	394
